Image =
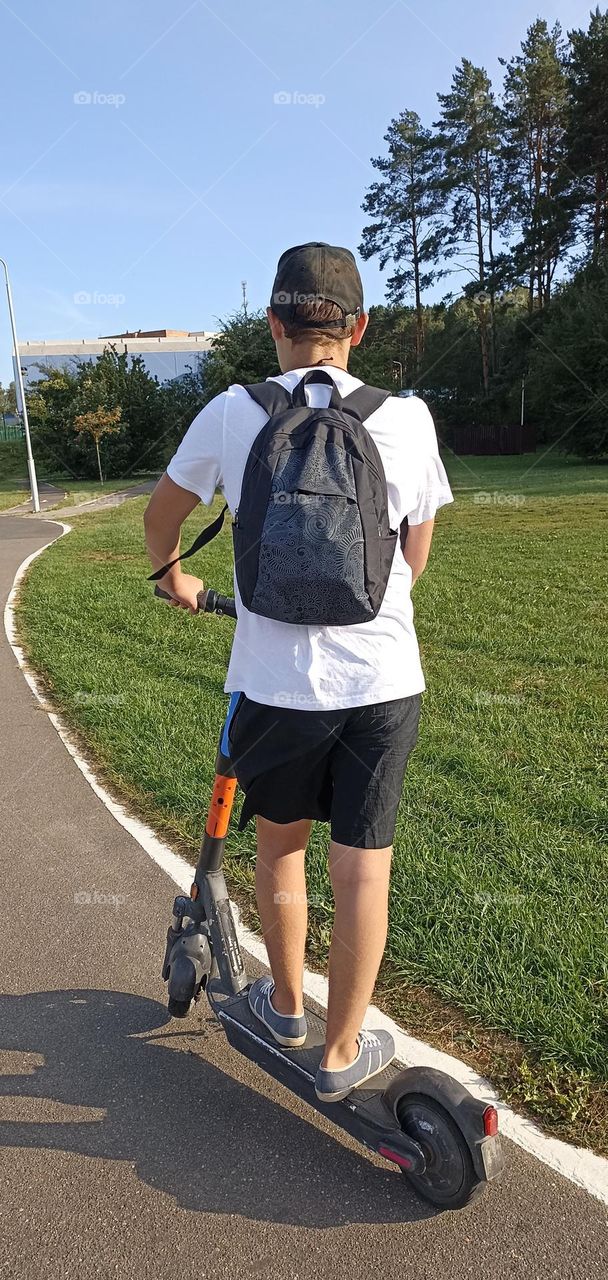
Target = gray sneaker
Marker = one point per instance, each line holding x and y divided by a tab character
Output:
290	1032
376	1050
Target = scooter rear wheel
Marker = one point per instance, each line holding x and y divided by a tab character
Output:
449	1180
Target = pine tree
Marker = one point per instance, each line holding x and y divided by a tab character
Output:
534	201
407	205
469	138
587	136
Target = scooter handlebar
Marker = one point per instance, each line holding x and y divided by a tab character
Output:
209	601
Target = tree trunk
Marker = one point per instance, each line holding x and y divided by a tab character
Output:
98	461
537	234
481	267
597	212
600	219
418	296
483	342
490	222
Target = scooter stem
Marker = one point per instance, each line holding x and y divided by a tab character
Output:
209	884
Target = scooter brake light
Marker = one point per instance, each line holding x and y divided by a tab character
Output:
490	1122
396	1159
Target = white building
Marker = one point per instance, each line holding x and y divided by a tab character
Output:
166	353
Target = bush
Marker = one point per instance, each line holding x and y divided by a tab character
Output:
112	382
12	459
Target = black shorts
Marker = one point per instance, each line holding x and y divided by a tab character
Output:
343	767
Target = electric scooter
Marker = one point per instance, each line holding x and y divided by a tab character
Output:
443	1139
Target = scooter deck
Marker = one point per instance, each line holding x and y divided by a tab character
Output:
296	1068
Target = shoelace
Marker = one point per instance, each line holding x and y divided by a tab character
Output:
369	1040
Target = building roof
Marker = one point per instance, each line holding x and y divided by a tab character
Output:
136	344
160	333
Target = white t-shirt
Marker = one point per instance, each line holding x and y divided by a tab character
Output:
323	668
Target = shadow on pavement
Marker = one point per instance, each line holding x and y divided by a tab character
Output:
191	1131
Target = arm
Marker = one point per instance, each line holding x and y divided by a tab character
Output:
192	476
417	545
164	516
432	489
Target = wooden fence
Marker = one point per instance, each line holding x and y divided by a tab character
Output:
483	440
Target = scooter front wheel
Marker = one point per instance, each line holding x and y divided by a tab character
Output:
449	1180
178	1008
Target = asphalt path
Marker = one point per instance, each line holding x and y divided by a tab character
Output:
135	1146
48	494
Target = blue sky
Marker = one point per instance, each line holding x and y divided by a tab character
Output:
179	175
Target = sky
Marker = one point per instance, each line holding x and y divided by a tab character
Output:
156	155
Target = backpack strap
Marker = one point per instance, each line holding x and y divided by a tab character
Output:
364	401
317	375
206	535
271	396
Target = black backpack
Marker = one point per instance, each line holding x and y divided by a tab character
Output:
312	537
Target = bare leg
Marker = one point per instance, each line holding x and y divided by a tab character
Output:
360	879
281	893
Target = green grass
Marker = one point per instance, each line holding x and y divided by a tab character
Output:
12	459
12	466
499	893
539	474
9	496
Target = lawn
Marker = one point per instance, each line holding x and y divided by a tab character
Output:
499	900
13	466
9	496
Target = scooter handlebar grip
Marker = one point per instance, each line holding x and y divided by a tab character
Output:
214	603
208	601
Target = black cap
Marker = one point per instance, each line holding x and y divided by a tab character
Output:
317	272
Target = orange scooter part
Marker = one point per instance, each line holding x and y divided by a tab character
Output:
221	806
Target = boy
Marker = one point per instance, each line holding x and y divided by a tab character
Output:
328	715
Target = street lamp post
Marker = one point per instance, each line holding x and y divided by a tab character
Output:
21	396
398	365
